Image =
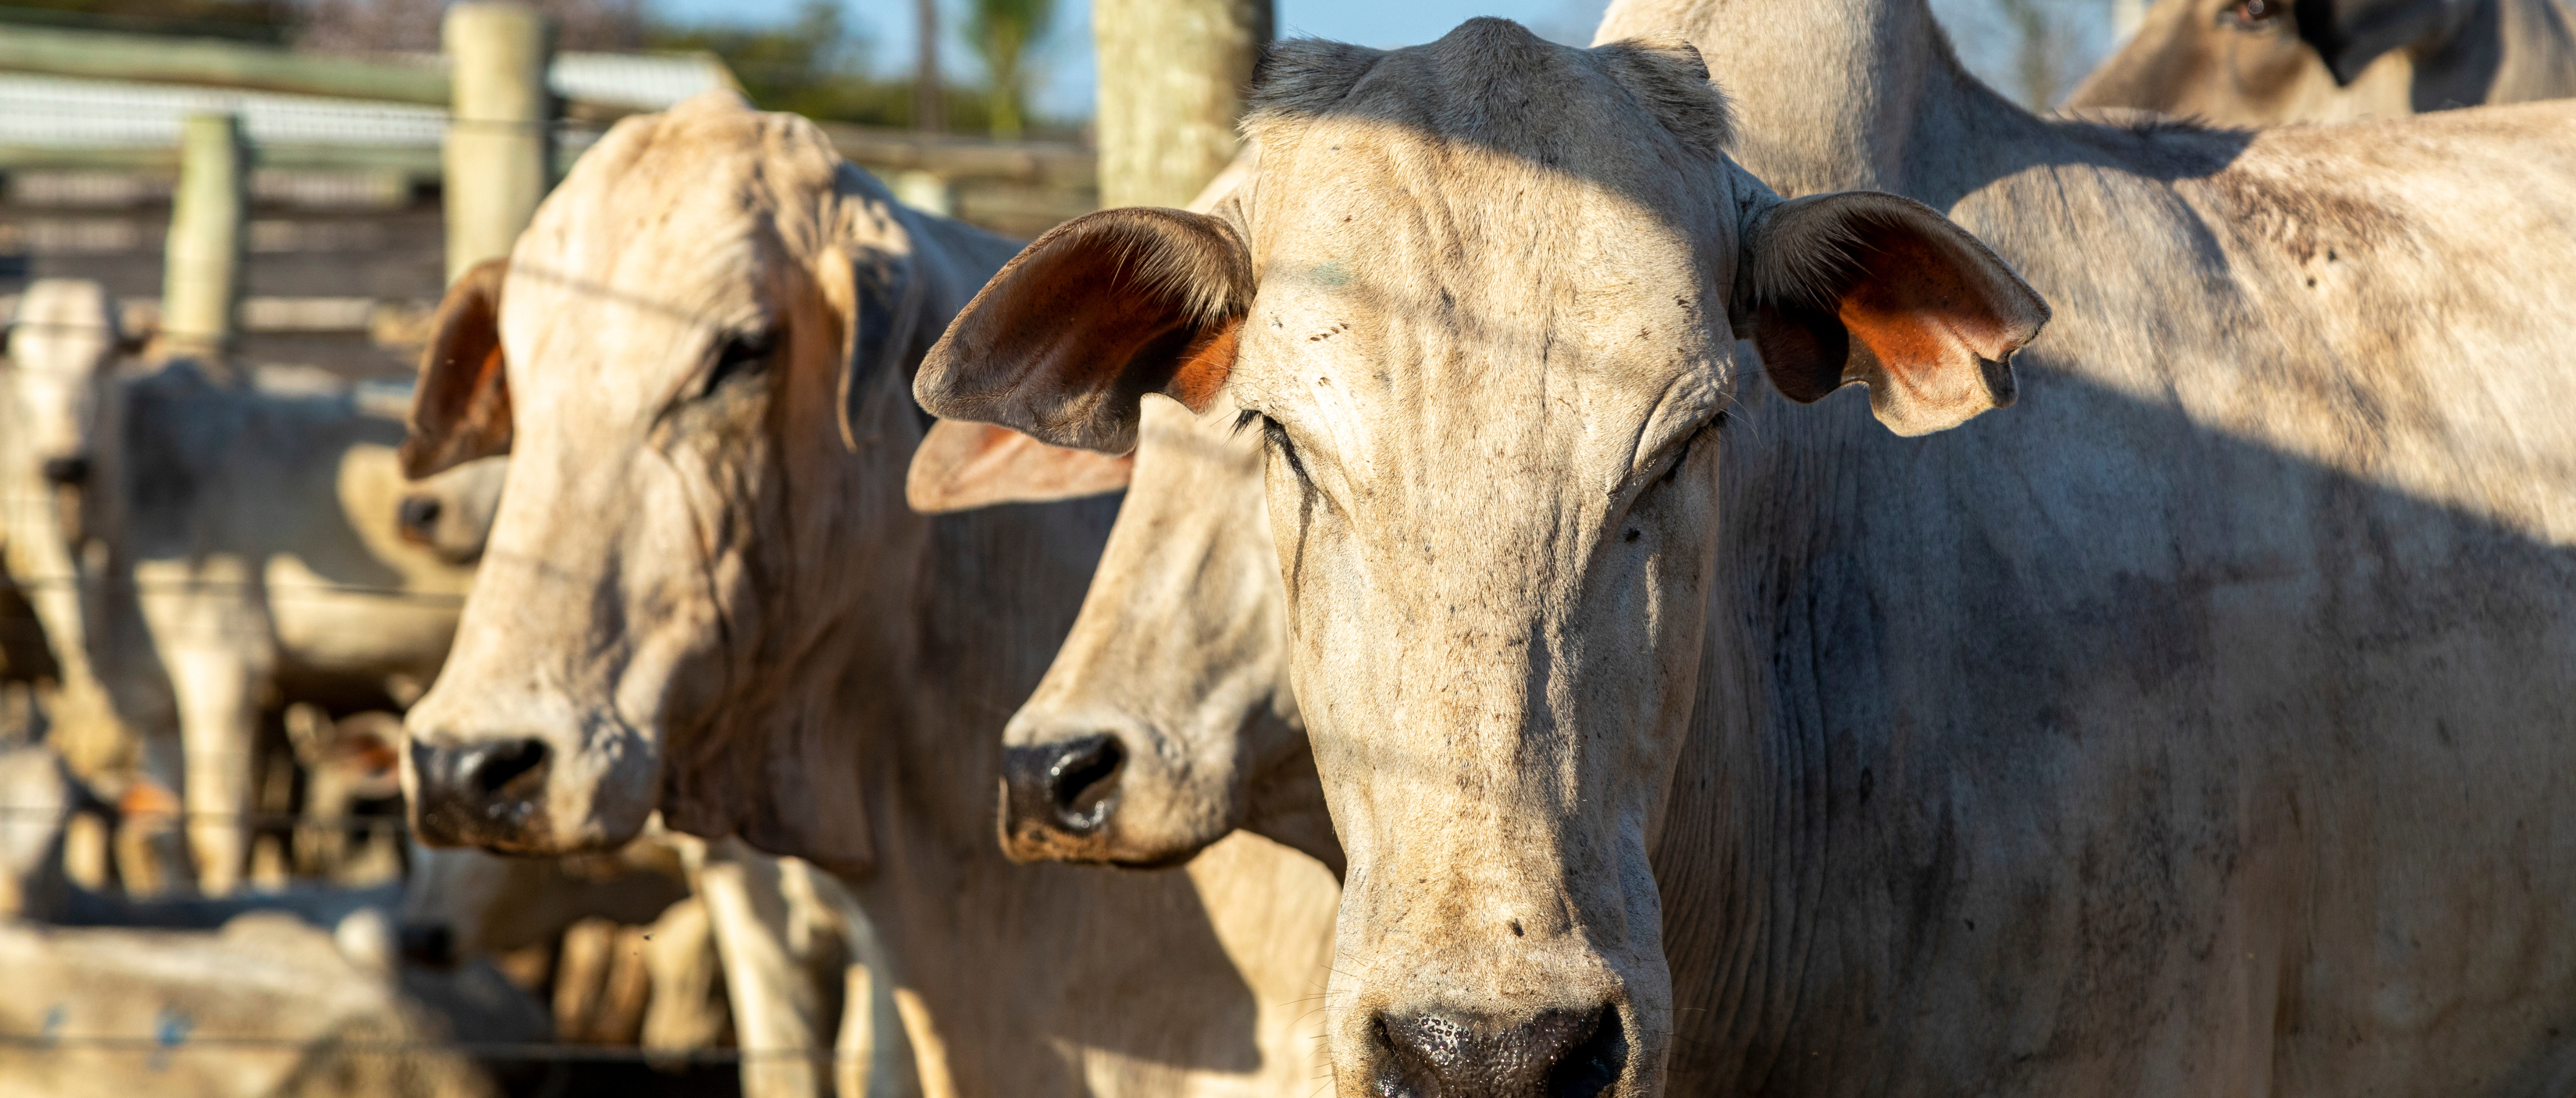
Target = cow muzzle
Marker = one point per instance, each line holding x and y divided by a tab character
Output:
490	795
1057	798
1549	1054
416	518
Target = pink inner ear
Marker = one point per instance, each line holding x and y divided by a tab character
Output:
961	466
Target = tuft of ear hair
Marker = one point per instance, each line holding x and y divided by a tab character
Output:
1304	77
1670	80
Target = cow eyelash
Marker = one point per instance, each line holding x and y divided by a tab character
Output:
1277	438
740	355
1681	454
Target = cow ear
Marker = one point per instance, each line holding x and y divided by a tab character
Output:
961	466
1090	317
2350	34
460	409
1881	290
880	305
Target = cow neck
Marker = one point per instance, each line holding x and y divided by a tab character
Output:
1773	865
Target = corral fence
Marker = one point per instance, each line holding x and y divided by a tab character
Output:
348	196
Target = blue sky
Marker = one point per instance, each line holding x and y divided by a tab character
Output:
1984	37
1066	56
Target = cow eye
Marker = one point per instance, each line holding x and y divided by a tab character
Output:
741	356
1276	437
2251	14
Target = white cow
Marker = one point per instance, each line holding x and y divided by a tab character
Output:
213	547
704	594
2267	62
2191	728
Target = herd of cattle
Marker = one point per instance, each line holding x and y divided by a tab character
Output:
1491	681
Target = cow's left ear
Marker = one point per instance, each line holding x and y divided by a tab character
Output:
1873	288
460	410
961	466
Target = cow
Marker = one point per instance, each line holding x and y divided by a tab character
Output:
2085	748
266	1005
780	943
1166	721
215	545
2268	62
704	594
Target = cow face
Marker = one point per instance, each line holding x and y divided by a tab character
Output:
1166	720
2269	62
1481	302
62	354
680	357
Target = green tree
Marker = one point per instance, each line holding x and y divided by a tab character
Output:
1003	31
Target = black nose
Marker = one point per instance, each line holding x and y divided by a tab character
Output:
1067	787
1557	1054
489	795
67	471
418	518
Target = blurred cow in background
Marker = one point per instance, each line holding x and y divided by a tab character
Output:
200	549
2267	62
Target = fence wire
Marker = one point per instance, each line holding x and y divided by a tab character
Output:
526	1051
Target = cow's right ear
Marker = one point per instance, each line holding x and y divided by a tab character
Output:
460	410
1090	317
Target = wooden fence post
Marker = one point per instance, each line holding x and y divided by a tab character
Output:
1172	76
500	128
209	220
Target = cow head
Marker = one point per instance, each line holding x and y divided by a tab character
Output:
696	359
61	354
2269	62
1166	720
1481	302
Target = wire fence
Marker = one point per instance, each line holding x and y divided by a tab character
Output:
182	1042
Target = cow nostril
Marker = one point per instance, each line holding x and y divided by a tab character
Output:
417	516
67	471
1556	1054
495	767
1083	779
1593	1066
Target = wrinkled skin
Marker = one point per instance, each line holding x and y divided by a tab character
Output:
704	594
2269	62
